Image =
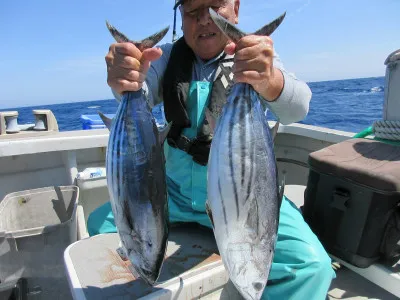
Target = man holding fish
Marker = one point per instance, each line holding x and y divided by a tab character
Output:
191	76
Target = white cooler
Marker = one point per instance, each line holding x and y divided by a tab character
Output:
192	269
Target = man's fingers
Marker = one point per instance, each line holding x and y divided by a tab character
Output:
127	62
127	66
252	40
128	49
133	75
123	85
256	64
252	52
127	74
148	56
250	77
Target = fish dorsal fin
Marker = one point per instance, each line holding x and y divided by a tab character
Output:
163	133
107	121
212	121
209	213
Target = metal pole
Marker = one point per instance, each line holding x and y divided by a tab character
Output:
174	36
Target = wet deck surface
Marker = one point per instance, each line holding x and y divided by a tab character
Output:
349	285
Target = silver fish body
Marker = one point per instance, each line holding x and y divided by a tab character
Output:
136	182
243	192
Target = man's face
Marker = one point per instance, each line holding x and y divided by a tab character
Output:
201	34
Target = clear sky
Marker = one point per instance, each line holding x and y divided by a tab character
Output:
53	51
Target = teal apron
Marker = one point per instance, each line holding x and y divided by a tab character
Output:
301	268
187	180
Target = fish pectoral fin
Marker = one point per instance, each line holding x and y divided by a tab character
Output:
163	133
282	190
122	254
107	121
209	213
274	130
212	121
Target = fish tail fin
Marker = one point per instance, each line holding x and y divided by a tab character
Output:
268	29
228	28
146	43
235	34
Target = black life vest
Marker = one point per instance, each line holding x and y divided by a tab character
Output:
176	82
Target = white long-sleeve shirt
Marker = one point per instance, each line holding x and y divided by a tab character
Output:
291	105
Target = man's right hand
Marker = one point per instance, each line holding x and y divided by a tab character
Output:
127	67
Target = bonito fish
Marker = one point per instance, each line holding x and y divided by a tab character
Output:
243	192
136	177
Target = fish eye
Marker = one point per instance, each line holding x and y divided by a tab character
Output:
257	286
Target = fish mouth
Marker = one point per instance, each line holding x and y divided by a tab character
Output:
148	276
254	291
149	272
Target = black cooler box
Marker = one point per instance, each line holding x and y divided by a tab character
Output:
352	199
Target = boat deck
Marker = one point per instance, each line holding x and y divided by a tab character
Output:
349	285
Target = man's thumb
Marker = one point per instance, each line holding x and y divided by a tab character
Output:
230	48
151	54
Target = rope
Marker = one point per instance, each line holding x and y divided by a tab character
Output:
384	131
388	130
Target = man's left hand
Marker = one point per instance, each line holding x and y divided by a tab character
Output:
253	64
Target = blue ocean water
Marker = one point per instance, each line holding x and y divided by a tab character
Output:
349	105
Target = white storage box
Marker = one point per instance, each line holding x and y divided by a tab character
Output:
36	226
192	269
93	190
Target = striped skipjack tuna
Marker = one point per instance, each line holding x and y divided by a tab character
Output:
244	197
136	177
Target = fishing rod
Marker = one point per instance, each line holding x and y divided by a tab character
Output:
174	35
